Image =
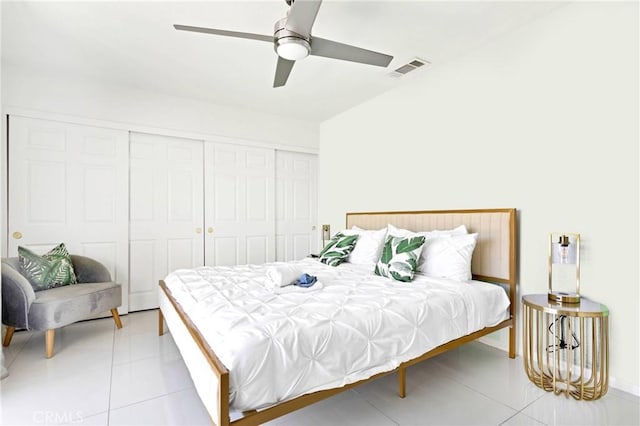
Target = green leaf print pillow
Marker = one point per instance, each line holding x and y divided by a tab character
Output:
53	269
399	259
338	249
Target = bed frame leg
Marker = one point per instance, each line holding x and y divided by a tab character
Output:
402	381
512	341
160	323
223	403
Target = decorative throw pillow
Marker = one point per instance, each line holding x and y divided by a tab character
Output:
53	269
399	259
369	245
338	249
448	257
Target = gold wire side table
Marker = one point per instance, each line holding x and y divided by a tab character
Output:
566	346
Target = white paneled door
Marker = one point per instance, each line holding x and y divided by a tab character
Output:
166	212
239	204
69	183
296	205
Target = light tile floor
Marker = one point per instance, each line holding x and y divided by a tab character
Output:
103	376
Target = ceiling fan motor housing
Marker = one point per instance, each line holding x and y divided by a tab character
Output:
289	45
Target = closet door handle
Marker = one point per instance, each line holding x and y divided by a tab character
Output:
198	230
210	230
17	235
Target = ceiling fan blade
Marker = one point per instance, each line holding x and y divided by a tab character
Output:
302	15
225	33
346	52
283	69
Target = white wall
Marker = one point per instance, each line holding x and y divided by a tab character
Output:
544	119
57	94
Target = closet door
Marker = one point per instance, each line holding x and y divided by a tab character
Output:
69	183
166	212
239	204
296	205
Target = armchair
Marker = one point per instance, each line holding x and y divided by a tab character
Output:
54	308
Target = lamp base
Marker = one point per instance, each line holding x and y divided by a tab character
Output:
564	297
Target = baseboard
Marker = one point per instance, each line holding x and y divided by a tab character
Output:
624	387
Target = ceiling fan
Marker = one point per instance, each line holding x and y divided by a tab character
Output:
292	41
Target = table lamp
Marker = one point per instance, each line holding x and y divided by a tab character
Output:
564	267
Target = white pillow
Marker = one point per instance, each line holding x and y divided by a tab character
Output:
399	232
447	270
448	256
368	247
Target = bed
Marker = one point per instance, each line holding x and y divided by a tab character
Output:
255	354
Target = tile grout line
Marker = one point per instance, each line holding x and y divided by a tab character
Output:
453	377
21	349
518	411
375	408
521	411
479	392
113	350
155	397
113	365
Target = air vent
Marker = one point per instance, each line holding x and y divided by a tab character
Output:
414	64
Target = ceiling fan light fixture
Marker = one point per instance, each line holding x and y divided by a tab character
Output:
293	48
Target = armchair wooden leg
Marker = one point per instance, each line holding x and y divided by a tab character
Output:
48	341
402	381
116	318
8	336
160	323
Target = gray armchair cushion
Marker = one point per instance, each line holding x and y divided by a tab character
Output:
23	308
60	306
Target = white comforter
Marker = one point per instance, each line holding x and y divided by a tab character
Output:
279	345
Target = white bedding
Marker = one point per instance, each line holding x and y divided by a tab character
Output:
280	345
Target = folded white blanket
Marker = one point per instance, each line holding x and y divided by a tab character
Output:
282	275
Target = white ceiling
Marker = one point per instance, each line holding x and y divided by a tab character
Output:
134	44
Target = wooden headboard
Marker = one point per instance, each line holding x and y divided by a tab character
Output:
494	258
